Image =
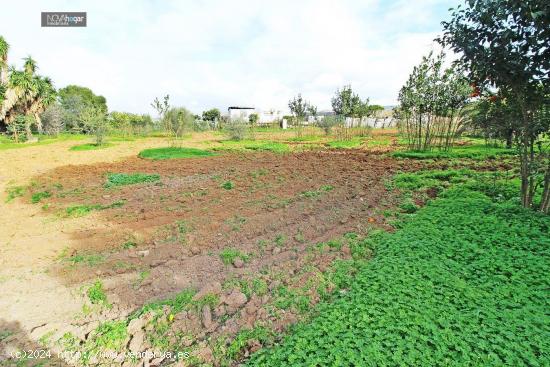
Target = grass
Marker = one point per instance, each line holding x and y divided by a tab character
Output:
346	144
228	255
85	209
122	179
476	151
38	196
6	143
254	145
96	293
173	153
316	193
90	146
15	192
110	335
88	259
228	185
464	282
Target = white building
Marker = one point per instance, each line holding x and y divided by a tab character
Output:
236	112
264	116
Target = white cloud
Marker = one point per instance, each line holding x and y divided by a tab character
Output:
218	53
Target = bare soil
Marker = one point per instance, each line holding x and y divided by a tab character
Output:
162	237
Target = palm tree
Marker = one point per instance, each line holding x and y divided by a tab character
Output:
45	96
29	65
23	92
4	47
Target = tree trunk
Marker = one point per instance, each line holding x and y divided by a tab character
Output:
509	138
545	201
38	123
28	129
525	160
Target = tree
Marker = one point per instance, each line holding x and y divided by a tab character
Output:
177	121
431	104
161	107
22	92
503	45
52	119
4	77
253	119
299	107
213	115
348	104
495	118
129	123
86	95
75	99
94	121
373	109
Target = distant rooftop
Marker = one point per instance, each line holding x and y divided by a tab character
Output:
240	108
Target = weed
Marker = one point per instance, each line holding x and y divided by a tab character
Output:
236	223
346	144
90	146
280	240
174	153
181	301
4	334
247	145
81	210
259	172
14	192
299	237
471	151
210	300
110	335
237	345
326	188
228	255
408	206
316	193
89	259
38	196
228	185
459	263
122	179
259	286
128	245
182	229
96	293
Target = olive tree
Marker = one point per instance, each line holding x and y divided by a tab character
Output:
177	122
94	121
300	109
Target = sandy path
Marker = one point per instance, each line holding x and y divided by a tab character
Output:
30	241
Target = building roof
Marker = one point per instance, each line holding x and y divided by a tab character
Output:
240	108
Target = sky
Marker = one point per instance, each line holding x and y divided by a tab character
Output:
210	53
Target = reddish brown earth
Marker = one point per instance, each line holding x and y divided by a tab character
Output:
280	207
273	195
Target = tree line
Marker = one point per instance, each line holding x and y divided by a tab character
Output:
499	86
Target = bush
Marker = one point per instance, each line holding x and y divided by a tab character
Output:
94	121
463	283
177	122
236	130
52	119
327	123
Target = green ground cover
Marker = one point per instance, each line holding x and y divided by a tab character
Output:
463	282
173	153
